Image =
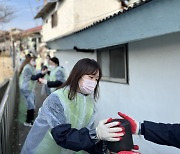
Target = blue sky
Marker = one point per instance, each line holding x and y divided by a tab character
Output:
24	15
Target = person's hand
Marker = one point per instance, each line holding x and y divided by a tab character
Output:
43	81
44	71
136	147
109	131
134	124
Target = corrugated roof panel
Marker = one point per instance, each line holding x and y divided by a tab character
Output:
132	6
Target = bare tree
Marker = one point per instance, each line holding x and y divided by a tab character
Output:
6	13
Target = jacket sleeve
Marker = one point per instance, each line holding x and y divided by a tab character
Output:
54	84
59	80
164	134
78	139
37	76
74	139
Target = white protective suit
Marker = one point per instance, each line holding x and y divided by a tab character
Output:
58	109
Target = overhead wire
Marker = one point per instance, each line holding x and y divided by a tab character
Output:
35	21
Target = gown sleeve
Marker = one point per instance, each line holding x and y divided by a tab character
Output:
50	114
78	139
27	73
60	76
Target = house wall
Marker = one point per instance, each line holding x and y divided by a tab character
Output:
65	12
86	11
153	89
69	58
145	21
73	15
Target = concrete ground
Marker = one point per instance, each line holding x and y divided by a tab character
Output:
19	130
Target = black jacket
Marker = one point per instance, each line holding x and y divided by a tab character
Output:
50	84
37	76
54	84
165	134
76	140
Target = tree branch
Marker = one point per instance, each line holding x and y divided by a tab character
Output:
6	13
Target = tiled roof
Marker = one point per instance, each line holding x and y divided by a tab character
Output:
126	9
33	30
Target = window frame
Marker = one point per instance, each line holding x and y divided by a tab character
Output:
109	78
54	19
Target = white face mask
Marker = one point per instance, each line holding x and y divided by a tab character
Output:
87	86
32	62
51	67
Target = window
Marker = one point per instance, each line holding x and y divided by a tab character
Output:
113	62
54	20
39	40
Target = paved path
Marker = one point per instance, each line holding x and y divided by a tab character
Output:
21	131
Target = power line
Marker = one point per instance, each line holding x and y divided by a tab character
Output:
32	12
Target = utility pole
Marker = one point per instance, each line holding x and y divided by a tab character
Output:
12	49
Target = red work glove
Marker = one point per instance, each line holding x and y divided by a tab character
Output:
134	124
136	147
128	152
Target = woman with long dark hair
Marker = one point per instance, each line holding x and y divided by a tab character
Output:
27	87
27	83
72	108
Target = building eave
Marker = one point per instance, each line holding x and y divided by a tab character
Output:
151	19
47	8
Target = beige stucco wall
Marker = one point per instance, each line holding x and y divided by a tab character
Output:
65	24
88	11
153	89
74	15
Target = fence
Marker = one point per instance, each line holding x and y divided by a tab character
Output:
3	87
7	106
